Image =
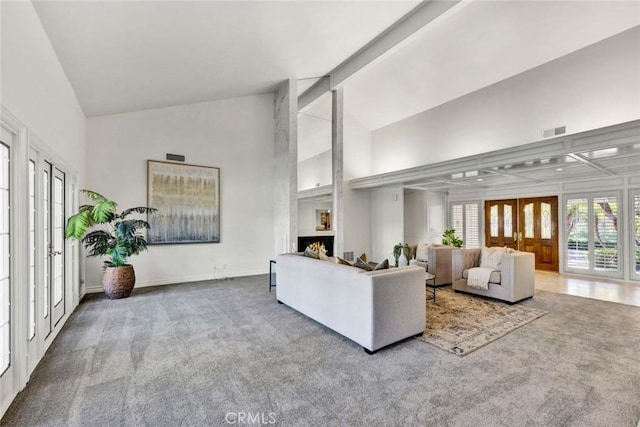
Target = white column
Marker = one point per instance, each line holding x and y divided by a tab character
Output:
286	168
337	121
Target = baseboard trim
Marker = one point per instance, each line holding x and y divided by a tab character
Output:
184	279
6	403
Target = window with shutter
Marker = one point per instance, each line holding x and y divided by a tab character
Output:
465	220
592	233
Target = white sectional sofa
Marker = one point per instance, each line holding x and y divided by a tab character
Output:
372	308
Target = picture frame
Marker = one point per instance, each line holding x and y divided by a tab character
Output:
187	198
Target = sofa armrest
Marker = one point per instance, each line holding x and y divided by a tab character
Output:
398	307
440	263
518	274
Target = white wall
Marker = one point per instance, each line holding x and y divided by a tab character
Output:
235	135
591	88
424	216
35	88
415	216
315	171
436	217
356	164
387	222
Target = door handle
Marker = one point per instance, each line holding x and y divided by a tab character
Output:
515	236
519	235
54	253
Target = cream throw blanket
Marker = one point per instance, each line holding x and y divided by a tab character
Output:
479	277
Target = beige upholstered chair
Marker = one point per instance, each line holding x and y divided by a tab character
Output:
514	281
438	263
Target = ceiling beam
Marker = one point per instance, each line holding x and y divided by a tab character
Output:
314	92
511	175
591	164
421	15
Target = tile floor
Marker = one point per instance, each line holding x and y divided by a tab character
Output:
602	289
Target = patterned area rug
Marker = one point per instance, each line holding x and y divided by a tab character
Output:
462	323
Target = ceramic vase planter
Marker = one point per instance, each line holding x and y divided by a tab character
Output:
118	282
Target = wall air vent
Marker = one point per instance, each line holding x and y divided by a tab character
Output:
554	132
175	157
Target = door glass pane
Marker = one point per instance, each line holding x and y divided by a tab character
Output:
493	220
605	233
508	221
46	241
545	220
5	276
636	209
58	238
577	227
528	221
32	250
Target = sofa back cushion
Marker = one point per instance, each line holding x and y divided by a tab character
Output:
492	257
422	251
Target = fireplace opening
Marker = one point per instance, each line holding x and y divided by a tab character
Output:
327	241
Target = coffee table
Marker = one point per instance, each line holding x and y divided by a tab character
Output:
431	294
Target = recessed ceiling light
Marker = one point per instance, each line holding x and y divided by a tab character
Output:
559	169
480	179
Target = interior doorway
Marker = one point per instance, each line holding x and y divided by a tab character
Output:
528	224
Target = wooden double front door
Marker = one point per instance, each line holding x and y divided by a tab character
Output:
529	225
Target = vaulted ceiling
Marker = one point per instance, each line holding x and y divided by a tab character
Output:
135	55
129	56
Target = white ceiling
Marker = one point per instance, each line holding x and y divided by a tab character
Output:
478	44
128	56
482	43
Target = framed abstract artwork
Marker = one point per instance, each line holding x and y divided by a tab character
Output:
187	198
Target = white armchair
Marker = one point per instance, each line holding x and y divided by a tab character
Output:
514	281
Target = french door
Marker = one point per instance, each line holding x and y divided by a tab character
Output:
539	230
501	223
53	278
8	284
47	293
529	225
35	293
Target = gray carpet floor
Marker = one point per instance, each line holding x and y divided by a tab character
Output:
206	353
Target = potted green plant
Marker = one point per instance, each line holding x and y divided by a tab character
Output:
116	236
449	238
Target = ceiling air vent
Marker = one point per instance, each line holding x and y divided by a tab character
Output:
554	132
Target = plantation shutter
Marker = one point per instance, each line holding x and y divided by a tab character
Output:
472	226
465	220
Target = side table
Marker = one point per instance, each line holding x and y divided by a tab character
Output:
428	277
272	274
